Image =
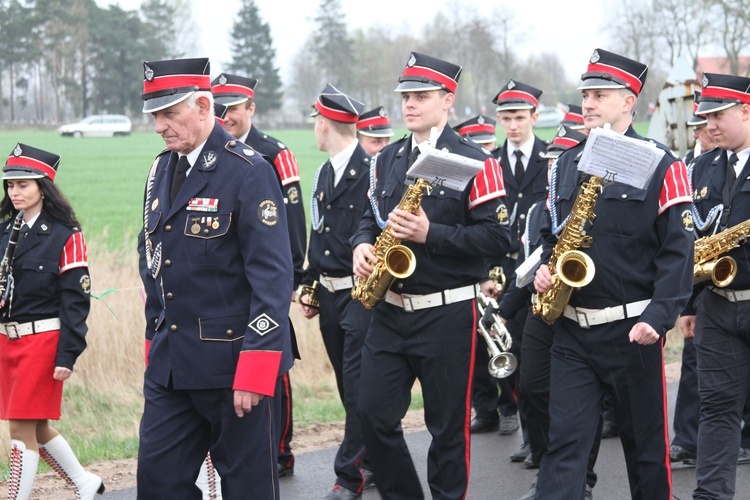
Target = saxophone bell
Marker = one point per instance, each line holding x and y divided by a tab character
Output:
721	271
576	269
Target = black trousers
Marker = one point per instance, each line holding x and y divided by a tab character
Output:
722	341
178	427
343	325
436	346
285	421
585	364
535	382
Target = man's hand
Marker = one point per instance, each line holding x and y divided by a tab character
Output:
244	402
543	279
363	260
687	325
307	312
643	334
62	373
488	289
409	227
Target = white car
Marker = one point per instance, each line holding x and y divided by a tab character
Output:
549	117
98	126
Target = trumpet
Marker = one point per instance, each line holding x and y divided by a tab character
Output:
498	278
313	301
502	362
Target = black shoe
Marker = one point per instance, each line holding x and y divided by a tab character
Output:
679	454
339	492
609	429
521	453
508	425
744	457
369	478
529	463
479	425
286	471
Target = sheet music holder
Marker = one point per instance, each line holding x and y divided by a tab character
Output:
442	168
618	158
526	272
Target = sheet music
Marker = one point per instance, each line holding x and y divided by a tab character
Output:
443	168
526	272
616	157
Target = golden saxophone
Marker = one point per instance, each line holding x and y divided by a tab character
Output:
394	259
570	268
709	264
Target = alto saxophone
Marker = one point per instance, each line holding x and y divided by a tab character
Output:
570	268
709	264
394	259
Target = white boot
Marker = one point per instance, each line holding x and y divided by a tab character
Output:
209	481
23	465
60	457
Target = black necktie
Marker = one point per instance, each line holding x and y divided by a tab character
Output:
24	229
331	178
179	177
519	166
414	155
731	172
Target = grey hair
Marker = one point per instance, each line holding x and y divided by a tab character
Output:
192	99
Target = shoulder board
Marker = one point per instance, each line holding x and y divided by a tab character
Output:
162	153
243	151
272	140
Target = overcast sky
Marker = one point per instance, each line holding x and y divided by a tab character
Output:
572	29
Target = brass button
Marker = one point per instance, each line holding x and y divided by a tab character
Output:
170	296
351	207
41	268
328	207
168	227
400	286
442	192
328	230
522	216
520	195
206	231
173	328
167	262
230	333
624	195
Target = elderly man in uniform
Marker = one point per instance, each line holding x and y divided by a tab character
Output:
237	93
718	316
339	198
425	328
218	277
374	130
611	334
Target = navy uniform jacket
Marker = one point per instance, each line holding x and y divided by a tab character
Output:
533	187
464	226
217	309
286	166
51	274
330	253
642	239
709	174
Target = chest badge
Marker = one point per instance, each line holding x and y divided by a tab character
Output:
208	159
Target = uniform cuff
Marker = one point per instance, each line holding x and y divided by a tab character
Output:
147	347
257	372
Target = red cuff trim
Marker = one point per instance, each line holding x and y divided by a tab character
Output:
147	348
257	372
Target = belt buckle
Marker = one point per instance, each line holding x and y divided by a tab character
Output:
583	319
326	282
407	303
12	327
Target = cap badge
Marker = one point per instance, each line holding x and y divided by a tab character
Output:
704	82
594	57
208	159
412	60
222	79
381	112
148	73
561	132
480	120
17	151
511	85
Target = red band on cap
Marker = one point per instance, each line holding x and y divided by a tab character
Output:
725	93
565	141
334	114
476	129
376	121
449	83
218	90
515	95
25	161
573	117
633	81
159	83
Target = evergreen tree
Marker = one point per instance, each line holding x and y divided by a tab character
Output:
332	46
253	56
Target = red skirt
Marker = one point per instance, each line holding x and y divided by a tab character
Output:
28	390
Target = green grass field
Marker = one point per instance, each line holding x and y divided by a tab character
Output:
104	178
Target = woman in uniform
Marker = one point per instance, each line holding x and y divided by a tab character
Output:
45	282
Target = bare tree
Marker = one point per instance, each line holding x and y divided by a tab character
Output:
734	30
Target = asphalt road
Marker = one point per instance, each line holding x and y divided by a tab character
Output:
493	476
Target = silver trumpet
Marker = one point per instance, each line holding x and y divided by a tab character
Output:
502	362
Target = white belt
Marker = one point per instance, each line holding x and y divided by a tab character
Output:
732	295
592	317
336	284
15	331
411	303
